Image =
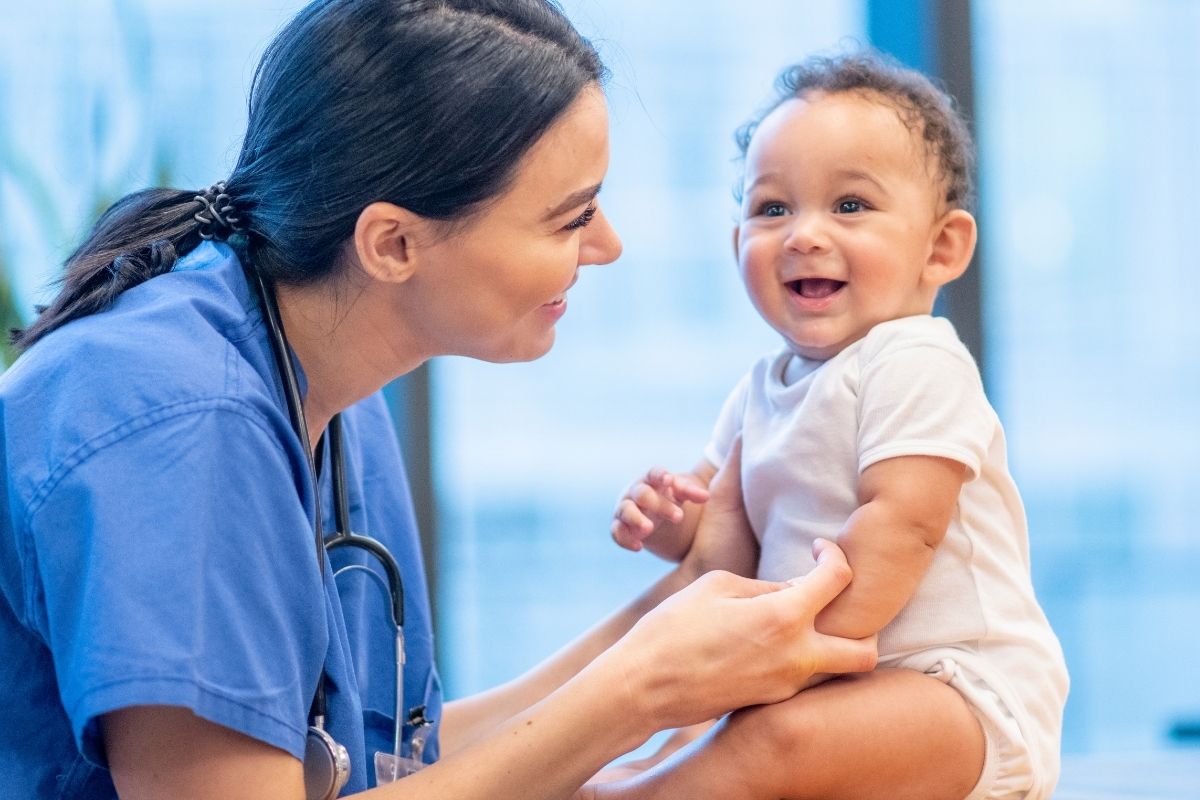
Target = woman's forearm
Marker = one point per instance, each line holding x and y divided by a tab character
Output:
468	720
544	752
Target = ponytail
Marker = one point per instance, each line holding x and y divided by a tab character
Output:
140	236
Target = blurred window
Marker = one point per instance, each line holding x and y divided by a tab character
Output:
1089	124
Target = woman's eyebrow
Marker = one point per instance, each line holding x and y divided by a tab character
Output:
572	200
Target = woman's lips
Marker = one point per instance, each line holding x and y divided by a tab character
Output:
558	306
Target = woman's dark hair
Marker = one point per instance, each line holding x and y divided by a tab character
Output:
922	106
427	104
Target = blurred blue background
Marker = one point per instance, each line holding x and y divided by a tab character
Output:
1088	121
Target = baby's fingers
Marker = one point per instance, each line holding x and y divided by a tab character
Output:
659	478
630	526
676	488
827	580
655	503
688	488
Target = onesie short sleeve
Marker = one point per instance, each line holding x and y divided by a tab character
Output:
922	395
149	592
729	423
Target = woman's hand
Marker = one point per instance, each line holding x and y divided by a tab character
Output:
727	642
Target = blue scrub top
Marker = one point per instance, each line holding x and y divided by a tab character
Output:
156	543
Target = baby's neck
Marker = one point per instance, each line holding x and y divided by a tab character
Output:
797	368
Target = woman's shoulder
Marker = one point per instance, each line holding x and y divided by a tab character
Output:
180	340
170	334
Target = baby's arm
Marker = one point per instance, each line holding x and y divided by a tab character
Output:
905	507
661	511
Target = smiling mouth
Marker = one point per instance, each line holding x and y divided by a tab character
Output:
815	288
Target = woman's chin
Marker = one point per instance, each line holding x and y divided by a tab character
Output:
514	352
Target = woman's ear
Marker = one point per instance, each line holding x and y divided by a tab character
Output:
385	241
952	247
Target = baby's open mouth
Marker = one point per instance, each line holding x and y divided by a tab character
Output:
815	288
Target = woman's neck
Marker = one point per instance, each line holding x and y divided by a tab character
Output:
348	345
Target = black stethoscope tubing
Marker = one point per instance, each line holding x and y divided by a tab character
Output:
344	537
335	769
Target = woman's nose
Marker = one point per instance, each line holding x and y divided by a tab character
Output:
599	243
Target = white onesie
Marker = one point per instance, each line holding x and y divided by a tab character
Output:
909	387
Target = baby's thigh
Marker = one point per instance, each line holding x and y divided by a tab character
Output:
892	733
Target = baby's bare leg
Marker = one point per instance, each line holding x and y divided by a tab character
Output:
892	734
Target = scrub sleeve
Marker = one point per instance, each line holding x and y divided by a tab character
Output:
171	575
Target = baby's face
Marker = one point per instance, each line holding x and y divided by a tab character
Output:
839	217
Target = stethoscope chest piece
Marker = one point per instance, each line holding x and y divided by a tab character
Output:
326	765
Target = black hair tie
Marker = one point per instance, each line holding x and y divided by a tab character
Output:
217	217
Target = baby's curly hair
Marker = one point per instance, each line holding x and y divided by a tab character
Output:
922	107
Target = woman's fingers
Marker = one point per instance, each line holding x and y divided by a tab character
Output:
726	642
826	580
836	655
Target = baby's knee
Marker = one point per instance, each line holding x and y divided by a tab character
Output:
778	729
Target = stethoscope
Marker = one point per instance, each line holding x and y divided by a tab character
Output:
326	762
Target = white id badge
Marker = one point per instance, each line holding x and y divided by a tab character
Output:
389	768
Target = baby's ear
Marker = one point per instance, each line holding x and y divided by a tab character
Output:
952	246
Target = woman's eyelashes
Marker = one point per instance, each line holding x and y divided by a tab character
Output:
583	219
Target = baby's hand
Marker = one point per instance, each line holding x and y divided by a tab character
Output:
654	499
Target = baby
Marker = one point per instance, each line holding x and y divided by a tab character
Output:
869	428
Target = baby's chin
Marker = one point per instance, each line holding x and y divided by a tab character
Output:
813	351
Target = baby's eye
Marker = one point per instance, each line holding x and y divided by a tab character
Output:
850	205
772	209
